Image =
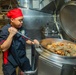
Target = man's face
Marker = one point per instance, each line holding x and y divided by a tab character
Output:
17	22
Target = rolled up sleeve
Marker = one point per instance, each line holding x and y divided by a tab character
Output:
3	36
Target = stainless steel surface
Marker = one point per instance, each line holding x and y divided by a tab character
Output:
68	18
47	67
34	21
57	58
53	64
25	3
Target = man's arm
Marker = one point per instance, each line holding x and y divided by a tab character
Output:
7	43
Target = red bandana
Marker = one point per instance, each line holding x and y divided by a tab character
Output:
14	13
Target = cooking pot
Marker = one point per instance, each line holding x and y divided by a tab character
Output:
43	51
46	58
68	23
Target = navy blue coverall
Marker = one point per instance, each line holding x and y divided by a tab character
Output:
16	54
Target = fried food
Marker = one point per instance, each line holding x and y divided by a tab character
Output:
64	49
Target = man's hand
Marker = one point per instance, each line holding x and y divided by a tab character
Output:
36	42
12	31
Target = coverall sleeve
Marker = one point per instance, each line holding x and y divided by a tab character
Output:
3	36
